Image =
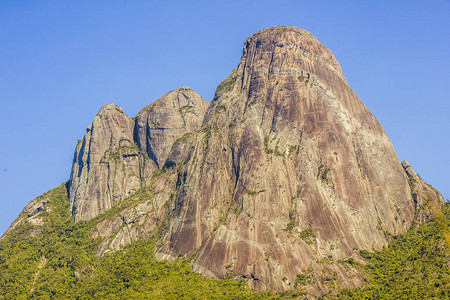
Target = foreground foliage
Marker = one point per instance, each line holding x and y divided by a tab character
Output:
58	261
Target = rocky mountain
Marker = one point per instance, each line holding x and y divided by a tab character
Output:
284	173
118	154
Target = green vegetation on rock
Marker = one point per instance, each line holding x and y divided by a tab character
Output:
57	260
61	263
414	266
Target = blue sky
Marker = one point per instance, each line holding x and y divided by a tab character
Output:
60	61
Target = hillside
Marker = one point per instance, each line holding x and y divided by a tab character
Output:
58	260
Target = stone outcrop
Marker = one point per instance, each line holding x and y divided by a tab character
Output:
118	154
289	168
33	214
161	123
283	174
426	198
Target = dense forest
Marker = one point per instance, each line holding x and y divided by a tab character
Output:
59	261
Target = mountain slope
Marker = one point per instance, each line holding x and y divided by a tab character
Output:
48	255
284	174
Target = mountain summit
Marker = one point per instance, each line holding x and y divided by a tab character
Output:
118	154
285	172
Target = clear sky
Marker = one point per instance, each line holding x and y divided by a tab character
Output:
60	61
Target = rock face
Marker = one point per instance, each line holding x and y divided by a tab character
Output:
284	173
161	123
290	168
426	198
118	154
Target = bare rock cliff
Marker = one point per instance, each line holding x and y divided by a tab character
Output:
283	174
161	123
118	154
289	168
426	198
